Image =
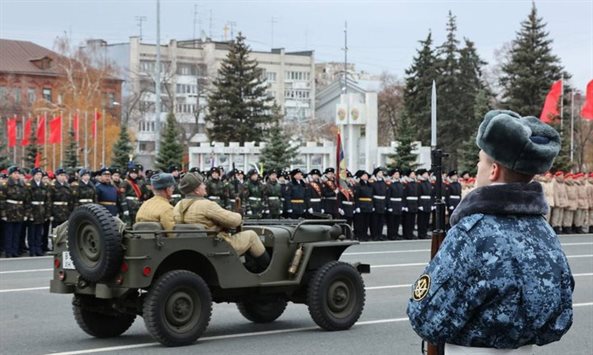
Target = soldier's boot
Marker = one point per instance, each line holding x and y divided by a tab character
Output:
591	229
262	262
566	230
557	230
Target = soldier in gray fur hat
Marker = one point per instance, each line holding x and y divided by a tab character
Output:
500	279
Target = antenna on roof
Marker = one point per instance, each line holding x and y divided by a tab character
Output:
139	20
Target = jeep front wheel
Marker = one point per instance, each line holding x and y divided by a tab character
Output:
336	296
177	308
96	318
262	311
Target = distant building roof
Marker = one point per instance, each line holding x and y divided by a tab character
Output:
24	57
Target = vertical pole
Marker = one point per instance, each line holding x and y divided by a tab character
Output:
96	138
562	102
86	148
53	152
22	138
77	135
45	137
103	137
61	138
572	126
158	79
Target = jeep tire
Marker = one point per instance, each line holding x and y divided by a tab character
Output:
95	317
94	243
178	308
336	296
262	311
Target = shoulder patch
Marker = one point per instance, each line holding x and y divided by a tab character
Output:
468	222
421	288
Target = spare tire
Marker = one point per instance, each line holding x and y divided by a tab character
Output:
94	243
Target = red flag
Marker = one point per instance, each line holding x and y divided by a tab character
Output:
550	110
97	117
55	130
41	131
27	132
11	131
75	126
587	110
38	159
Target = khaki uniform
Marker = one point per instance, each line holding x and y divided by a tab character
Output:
580	217
590	198
560	202
549	196
157	209
198	210
569	211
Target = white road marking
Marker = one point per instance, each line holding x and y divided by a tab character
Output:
579	256
25	289
23	271
388	252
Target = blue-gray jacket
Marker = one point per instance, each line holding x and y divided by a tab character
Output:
500	278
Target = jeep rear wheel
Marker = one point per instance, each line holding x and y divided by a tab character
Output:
262	311
94	243
177	308
336	296
96	318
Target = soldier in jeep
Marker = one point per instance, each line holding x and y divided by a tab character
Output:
197	209
157	208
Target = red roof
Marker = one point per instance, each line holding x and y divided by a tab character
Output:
18	57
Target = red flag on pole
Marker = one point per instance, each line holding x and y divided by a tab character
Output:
587	110
550	110
75	126
38	159
97	117
55	130
41	131
27	132
11	131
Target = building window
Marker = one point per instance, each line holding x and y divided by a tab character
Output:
271	76
147	66
31	95
47	94
17	96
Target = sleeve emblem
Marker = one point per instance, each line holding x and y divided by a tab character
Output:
421	288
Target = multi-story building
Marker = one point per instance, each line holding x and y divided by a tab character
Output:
187	69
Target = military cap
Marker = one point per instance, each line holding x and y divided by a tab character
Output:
115	170
83	172
360	173
407	172
393	171
421	171
315	172
189	182
376	171
194	169
172	168
214	169
239	172
133	170
13	169
523	144
140	167
221	168
285	174
451	173
105	170
295	171
37	170
329	170
161	181
252	172
59	171
465	172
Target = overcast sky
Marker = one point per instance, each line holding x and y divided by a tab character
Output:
382	35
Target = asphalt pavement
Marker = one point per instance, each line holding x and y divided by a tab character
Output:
33	321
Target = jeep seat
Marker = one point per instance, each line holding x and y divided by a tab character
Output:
147	226
198	228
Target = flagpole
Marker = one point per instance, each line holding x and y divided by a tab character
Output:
562	102
103	134
61	138
53	152
77	133
45	135
86	158
15	117
572	126
95	138
22	139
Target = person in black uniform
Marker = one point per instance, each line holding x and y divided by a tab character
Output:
346	197
329	203
314	192
395	196
453	192
284	180
108	196
296	195
379	205
410	204
424	202
363	196
84	190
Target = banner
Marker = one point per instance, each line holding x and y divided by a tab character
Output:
587	110
55	130
550	110
27	132
41	131
11	131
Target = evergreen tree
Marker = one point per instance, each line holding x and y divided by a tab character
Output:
403	157
71	153
562	161
5	160
470	87
32	149
171	150
278	154
417	93
122	148
238	107
468	150
531	69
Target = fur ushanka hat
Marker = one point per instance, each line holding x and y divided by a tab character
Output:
523	144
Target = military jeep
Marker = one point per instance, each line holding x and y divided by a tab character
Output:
117	274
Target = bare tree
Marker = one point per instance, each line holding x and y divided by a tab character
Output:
391	105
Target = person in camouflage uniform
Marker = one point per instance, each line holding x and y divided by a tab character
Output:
254	196
14	210
39	212
273	196
132	193
235	189
62	198
84	190
500	279
215	187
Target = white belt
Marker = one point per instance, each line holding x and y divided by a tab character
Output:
255	198
455	197
425	197
348	203
37	203
176	196
379	197
396	199
331	198
60	203
15	202
132	198
451	349
85	200
315	200
213	198
412	198
273	198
